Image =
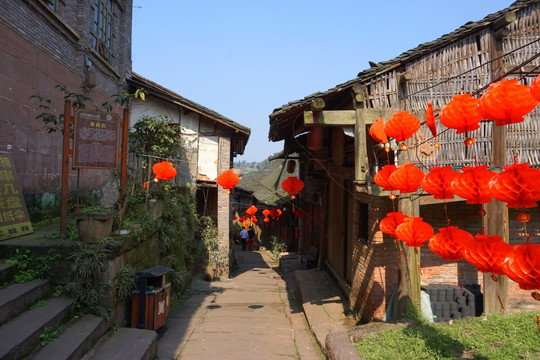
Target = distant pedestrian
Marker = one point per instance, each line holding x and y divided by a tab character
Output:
243	238
251	236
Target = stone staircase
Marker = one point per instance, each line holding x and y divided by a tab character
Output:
27	311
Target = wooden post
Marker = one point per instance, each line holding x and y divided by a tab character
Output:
65	170
360	143
496	220
123	170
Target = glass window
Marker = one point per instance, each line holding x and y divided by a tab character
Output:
102	30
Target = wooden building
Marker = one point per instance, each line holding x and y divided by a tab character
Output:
338	158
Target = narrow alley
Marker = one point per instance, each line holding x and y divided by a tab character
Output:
252	315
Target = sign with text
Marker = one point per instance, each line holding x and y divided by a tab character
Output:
96	140
14	219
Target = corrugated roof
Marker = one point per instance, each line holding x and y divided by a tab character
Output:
381	67
139	81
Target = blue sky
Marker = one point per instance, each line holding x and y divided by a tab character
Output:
244	58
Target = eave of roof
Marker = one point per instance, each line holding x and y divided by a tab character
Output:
296	106
168	95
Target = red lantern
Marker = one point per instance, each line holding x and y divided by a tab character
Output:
382	176
401	126
315	138
164	170
461	113
535	88
266	212
430	120
242	219
439	182
251	210
414	232
266	220
228	180
377	131
254	219
449	243
292	185
406	178
523	266
487	253
234	218
473	184
299	213
274	213
518	185
392	220
506	102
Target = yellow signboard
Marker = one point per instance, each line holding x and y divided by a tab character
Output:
14	219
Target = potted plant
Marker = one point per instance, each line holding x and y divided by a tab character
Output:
94	224
209	237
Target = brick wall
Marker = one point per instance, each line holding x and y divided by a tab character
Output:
223	209
38	50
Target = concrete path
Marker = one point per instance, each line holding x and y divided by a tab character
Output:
253	315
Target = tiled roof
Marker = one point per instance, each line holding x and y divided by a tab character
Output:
420	50
139	81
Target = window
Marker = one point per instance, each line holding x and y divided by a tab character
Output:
102	27
51	4
363	218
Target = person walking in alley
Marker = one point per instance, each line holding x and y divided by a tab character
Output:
243	238
251	236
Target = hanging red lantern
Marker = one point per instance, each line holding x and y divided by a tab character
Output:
242	219
439	182
430	120
299	213
251	210
523	266
292	185
291	166
228	180
266	212
406	178
517	185
450	242
274	213
315	138
461	113
535	88
376	130
473	184
414	232
392	220
266	220
507	102
254	219
164	170
401	126
234	217
382	177
487	253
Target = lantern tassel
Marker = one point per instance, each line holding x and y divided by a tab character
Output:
538	322
405	256
500	302
459	283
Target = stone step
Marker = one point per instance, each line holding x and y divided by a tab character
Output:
16	298
19	336
127	344
7	271
78	337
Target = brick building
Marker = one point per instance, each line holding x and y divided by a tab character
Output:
46	43
338	159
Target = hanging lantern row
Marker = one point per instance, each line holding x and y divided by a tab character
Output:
506	102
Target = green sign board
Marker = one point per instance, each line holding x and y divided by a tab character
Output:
14	219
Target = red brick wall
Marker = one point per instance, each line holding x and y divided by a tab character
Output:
38	50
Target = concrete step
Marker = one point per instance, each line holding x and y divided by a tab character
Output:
127	344
16	298
76	339
19	336
7	272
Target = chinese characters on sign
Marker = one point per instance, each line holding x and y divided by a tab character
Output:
96	140
14	219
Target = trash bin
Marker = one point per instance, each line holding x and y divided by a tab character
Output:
150	304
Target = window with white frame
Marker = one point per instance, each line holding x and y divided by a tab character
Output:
102	31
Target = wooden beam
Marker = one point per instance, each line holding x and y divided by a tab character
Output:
345	117
360	148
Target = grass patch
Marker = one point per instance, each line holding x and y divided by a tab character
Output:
494	337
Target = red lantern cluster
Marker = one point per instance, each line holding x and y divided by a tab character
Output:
506	102
292	185
228	180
